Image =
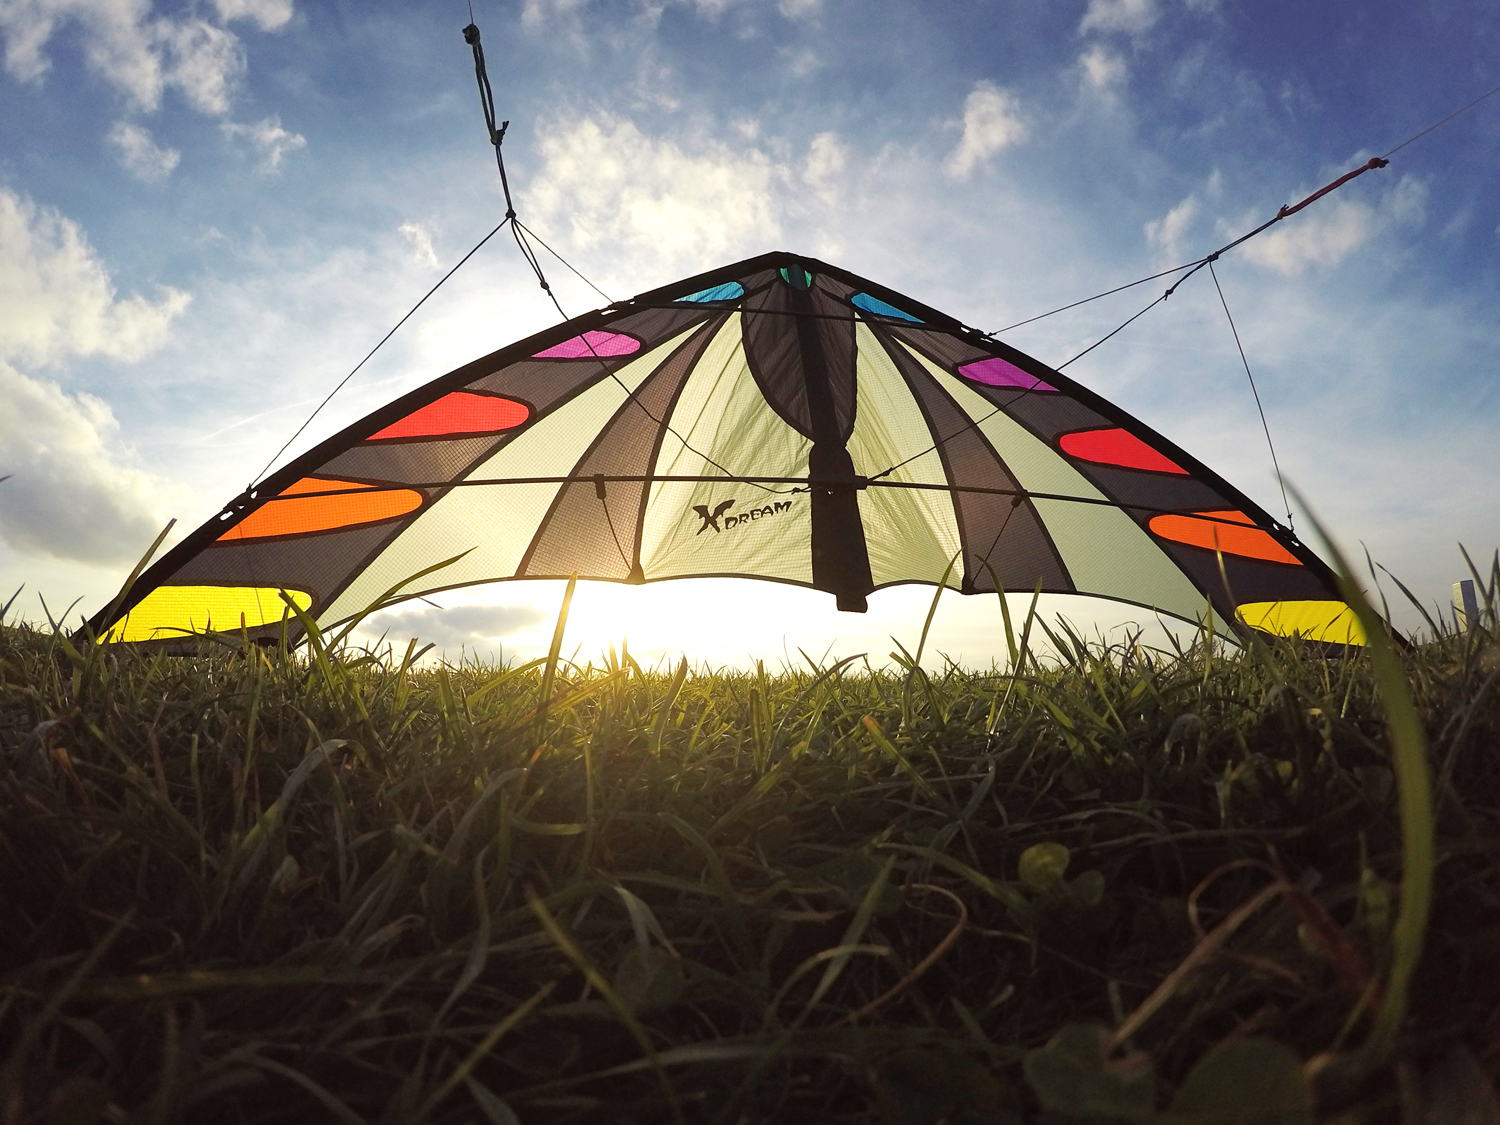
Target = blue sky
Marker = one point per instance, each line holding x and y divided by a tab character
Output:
209	211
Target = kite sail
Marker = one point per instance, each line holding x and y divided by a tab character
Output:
780	419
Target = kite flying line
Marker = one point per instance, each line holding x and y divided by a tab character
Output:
1264	425
523	233
1191	268
1017	495
372	351
1194	266
848	574
1286	211
565	262
524	237
1281	214
1443	121
497	138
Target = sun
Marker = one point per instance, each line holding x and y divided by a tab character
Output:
735	623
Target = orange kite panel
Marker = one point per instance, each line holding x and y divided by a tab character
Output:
1238	536
294	513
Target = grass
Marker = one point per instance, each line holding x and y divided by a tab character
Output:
332	885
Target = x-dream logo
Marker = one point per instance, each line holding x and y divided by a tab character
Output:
712	519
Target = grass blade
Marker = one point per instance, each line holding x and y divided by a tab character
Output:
549	670
1414	789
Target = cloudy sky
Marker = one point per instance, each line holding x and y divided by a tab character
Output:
210	210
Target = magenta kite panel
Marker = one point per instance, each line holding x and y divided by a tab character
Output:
592	345
997	372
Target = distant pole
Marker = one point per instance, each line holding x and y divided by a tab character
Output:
1465	605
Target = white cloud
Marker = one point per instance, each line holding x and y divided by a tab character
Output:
605	182
1168	233
1407	202
1102	69
138	55
58	297
420	240
268	15
535	12
992	122
1119	15
826	159
201	60
802	62
472	627
1332	229
142	157
1458	223
68	497
116	42
653	85
269	138
799	9
1323	238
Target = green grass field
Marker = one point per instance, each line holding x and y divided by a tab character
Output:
1212	885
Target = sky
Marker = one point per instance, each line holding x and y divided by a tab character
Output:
209	211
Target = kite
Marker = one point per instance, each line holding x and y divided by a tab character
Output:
779	418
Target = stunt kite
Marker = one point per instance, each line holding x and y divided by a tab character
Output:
779	418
